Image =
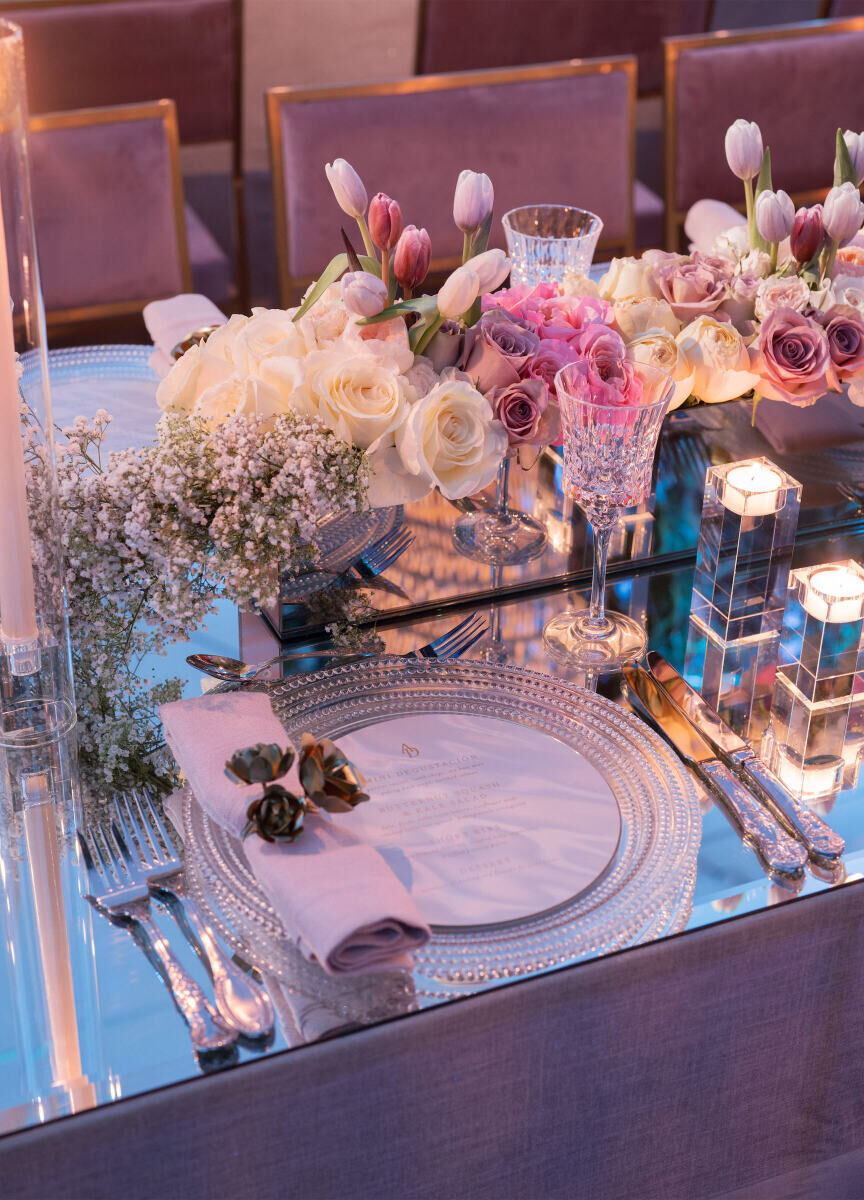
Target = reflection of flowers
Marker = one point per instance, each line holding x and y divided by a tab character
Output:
277	816
328	777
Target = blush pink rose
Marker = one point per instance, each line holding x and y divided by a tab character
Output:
548	360
792	357
691	288
563	317
576	383
514	298
603	351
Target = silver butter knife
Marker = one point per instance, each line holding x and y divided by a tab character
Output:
781	855
824	845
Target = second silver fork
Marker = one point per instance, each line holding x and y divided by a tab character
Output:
145	843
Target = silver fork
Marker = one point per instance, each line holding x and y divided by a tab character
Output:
454	642
384	553
145	843
122	894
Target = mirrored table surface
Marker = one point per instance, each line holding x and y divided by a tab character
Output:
132	1039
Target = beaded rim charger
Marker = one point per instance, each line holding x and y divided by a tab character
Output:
645	892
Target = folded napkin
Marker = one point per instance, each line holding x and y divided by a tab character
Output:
337	898
707	219
832	421
170	321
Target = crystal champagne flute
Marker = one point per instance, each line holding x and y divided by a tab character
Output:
608	459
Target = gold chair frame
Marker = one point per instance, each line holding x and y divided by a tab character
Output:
238	206
166	111
289	285
674	46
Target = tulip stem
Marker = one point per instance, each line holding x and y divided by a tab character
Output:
367	239
385	268
466	247
772	264
756	399
751	213
427	336
828	256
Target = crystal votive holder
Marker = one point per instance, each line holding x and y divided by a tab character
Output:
815	685
749	518
546	242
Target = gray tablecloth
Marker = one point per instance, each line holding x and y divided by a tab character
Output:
726	1062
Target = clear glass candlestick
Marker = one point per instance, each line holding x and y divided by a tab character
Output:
545	242
608	457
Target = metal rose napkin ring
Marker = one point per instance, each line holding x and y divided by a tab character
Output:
329	780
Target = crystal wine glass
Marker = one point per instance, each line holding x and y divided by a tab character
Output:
608	459
549	241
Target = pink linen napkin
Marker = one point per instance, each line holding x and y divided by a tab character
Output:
335	894
170	321
832	421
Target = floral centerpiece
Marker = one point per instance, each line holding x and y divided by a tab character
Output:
775	308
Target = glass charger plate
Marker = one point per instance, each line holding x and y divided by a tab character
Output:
644	893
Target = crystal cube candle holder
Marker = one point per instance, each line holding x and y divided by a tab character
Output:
749	519
818	681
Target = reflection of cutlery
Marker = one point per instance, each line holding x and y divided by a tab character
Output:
781	854
364	572
821	841
147	848
125	899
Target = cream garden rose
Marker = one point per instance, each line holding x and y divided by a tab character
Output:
719	359
239	395
628	277
778	291
189	377
451	440
658	348
633	317
360	398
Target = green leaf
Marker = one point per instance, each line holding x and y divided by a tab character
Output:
336	267
481	237
387	314
372	265
763	184
844	170
415	333
353	260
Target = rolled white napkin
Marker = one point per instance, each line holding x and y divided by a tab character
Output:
170	321
335	894
707	219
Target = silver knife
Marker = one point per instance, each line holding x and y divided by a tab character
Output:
780	854
823	844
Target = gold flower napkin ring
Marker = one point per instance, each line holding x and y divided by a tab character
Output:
192	339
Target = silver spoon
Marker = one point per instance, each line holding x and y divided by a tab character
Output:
234	670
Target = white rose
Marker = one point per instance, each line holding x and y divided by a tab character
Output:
190	375
220	343
778	291
848	289
269	331
579	285
285	375
238	395
719	358
634	316
628	277
450	439
658	348
359	398
387	341
390	481
755	262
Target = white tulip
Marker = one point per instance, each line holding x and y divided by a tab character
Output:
363	294
473	200
775	215
492	268
347	187
855	146
843	213
459	292
744	148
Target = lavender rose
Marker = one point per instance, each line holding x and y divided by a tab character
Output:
792	358
527	413
692	288
844	329
496	350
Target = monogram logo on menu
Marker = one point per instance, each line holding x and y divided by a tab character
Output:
409	751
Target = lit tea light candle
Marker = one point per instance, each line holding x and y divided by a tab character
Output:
835	594
753	489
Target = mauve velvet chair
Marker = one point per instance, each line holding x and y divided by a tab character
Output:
108	207
96	53
556	134
799	82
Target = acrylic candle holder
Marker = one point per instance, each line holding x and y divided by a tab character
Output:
818	681
749	518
